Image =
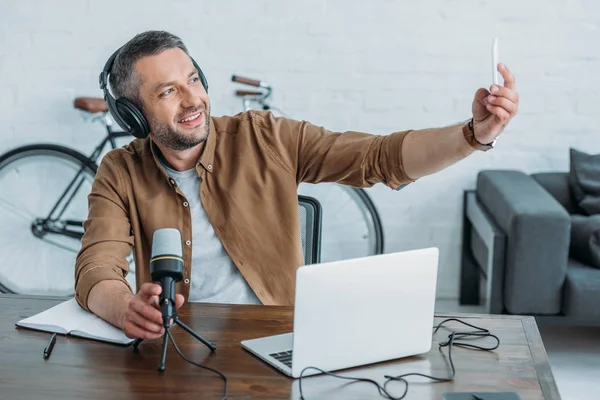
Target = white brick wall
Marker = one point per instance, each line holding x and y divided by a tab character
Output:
389	66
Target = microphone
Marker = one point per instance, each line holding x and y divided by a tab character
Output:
166	268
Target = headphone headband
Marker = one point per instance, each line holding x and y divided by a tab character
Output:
125	113
103	78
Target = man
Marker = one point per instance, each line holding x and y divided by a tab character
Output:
229	184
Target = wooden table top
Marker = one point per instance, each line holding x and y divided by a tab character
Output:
86	369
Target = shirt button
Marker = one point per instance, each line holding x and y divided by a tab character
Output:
186	281
185	203
209	166
188	243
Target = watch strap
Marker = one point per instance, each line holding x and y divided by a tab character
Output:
469	134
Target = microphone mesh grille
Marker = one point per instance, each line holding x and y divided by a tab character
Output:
167	241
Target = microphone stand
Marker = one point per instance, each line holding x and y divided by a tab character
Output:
176	320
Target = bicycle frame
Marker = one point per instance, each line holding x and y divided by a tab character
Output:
52	224
249	100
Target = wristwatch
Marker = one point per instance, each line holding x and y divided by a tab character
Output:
469	133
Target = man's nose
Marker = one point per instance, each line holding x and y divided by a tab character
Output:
191	99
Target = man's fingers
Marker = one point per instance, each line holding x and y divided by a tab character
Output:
509	79
143	322
149	293
500	112
146	310
154	302
147	290
133	331
179	300
506	104
481	94
501	91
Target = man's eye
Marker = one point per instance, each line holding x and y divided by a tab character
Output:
166	92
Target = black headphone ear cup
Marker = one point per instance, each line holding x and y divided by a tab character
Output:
133	117
114	112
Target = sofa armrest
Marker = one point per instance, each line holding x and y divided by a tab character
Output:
538	234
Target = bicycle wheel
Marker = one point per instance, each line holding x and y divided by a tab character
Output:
351	226
37	257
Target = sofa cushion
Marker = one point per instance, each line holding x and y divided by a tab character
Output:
557	184
582	292
585	239
584	179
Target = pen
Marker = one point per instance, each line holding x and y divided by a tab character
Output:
477	397
48	349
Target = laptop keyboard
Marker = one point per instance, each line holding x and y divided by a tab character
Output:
284	357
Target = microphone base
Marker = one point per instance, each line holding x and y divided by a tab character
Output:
166	337
189	330
163	357
137	343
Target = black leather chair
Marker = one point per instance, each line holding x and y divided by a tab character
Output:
309	210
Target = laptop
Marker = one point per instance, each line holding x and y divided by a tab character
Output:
356	312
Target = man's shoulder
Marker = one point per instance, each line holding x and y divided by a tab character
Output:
241	121
130	156
136	149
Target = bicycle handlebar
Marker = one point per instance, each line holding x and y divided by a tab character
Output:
249	81
242	93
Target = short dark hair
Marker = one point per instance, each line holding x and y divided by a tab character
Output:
123	80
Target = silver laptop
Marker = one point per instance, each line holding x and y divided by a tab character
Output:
356	312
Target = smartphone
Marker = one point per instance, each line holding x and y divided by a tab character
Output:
481	395
495	61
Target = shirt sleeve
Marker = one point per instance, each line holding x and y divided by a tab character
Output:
107	239
314	154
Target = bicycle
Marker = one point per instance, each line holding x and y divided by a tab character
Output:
351	224
42	214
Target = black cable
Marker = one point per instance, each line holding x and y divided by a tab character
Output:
479	333
168	333
382	390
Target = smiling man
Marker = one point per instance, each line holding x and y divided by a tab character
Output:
229	184
175	126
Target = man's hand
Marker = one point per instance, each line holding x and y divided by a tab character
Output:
143	318
493	111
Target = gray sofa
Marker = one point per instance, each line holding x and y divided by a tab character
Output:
520	253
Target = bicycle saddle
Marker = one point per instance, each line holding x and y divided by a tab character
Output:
91	104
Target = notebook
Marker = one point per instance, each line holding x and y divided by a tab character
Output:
68	318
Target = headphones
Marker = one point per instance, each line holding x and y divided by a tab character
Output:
129	117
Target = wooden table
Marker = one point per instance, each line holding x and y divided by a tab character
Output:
84	369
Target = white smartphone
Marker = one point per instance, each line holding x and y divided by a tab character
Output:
495	61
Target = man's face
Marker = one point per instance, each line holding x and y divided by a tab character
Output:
175	102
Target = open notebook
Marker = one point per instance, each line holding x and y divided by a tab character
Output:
68	318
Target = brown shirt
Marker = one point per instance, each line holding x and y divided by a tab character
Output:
250	167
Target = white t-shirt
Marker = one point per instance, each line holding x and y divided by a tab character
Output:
214	276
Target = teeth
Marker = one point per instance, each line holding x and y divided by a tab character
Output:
191	118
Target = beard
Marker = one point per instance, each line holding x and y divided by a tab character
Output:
174	139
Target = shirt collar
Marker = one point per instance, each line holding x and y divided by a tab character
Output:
207	156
